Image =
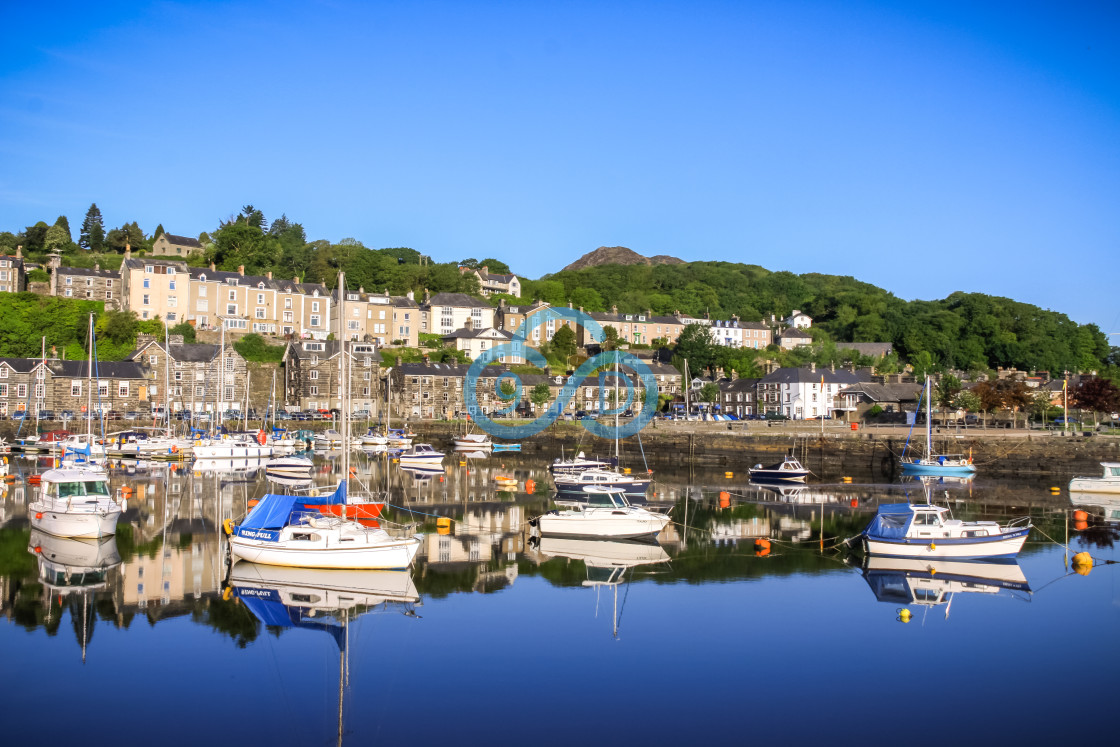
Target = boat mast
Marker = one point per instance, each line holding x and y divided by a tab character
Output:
167	375
929	422
344	424
616	409
89	388
221	375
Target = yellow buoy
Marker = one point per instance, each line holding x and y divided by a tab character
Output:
228	526
904	615
1082	563
625	470
443	522
932	546
728	475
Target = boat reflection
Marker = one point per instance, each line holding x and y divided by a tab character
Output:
935	583
73	570
326	600
609	563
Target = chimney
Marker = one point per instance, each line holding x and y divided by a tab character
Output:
734	374
398	361
19	252
569	304
614	309
411	296
427	296
127	252
96	266
427	360
213	267
812	367
649	313
548	371
361	288
241	270
269	274
581	309
485	270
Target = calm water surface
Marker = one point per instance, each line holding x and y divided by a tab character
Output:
496	638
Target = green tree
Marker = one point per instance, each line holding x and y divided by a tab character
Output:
1097	395
564	342
158	232
184	329
695	345
968	401
63	223
709	392
57	238
92	236
495	266
35	237
610	338
922	363
947	390
540	394
118	326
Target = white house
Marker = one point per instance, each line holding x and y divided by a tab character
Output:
800	393
799	319
444	313
475	342
737	334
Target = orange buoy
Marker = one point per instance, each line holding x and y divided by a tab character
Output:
724	499
854	503
1080	515
261	437
38	550
39	515
530	486
253	502
1080	526
353	471
762	544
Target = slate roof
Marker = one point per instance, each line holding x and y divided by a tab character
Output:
453	370
103	369
190	352
22	365
134	263
793	333
183	241
885	392
330	349
609	316
802	375
457	299
738	385
88	272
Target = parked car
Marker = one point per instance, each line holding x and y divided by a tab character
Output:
46	414
112	415
19	414
283	415
132	415
362	414
581	413
66	415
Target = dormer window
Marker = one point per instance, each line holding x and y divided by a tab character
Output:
641	317
351	296
629	317
202	278
260	286
170	270
231	281
149	269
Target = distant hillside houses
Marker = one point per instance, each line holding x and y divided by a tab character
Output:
490	283
170	245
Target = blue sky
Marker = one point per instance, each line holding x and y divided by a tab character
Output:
925	147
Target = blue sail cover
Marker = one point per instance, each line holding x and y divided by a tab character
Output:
337	498
273	513
267	606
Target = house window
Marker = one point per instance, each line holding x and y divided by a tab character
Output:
89	294
233	295
260	298
287	316
75	388
109	283
122	389
314	320
172	301
229	393
171	285
314	391
199	391
171	316
4	391
231	309
313	375
314	306
21	390
229	364
108	295
287	303
102	388
147	300
4	276
202	288
147	283
149	269
260	312
40	391
69	292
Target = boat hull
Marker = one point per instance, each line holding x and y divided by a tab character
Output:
78	525
392	556
615	527
767	475
634	487
1094	485
1004	545
915	468
232	452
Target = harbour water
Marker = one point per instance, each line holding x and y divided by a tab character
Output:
498	637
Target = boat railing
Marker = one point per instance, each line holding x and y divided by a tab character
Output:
1022	521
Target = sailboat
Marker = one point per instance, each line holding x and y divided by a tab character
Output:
603	512
284	530
85	446
931	463
230	446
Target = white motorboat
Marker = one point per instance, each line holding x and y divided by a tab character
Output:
605	513
1109	482
297	466
328	439
473	442
421	454
373	438
83	445
928	531
233	446
577	482
75	502
580	463
787	470
400	438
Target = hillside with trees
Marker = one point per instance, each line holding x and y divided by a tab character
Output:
967	331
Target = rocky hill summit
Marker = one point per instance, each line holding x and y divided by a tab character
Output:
620	255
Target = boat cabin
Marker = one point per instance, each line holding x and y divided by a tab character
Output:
918	521
605	499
